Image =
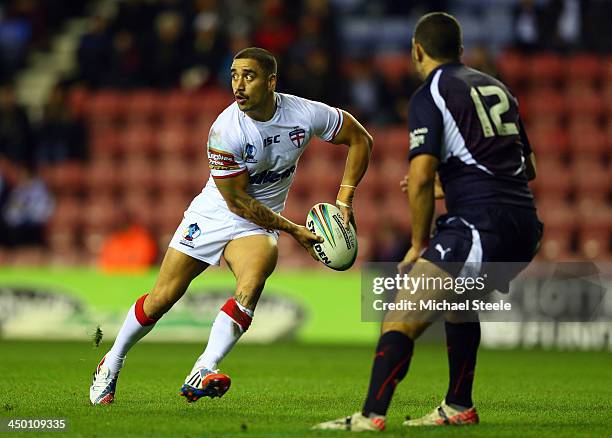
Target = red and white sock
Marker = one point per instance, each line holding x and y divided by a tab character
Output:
232	321
136	325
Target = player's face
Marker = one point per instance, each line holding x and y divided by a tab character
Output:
251	86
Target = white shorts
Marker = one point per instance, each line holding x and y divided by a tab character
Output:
204	234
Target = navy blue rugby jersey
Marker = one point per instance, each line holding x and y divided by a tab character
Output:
470	122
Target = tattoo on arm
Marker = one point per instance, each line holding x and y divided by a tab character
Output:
244	205
256	212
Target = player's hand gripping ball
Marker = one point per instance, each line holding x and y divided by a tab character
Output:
339	248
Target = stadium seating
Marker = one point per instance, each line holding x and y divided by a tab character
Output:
393	66
587	138
583	67
607	69
545	69
101	176
559	229
175	138
583	101
178	104
556	186
548	137
512	67
546	102
148	157
105	106
143	106
595	228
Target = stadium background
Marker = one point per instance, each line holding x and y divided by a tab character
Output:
119	98
105	107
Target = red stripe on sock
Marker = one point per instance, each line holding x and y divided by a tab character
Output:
141	316
233	311
388	379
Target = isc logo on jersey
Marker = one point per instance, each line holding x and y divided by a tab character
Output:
271	140
339	248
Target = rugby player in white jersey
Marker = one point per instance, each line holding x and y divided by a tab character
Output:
253	149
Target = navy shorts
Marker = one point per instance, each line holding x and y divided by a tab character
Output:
486	236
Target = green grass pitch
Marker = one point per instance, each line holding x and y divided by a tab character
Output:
281	390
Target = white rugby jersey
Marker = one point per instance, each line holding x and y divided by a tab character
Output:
268	151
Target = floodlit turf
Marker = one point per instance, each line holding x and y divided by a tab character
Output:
282	390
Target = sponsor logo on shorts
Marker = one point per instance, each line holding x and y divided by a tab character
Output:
249	153
221	160
441	250
297	136
191	233
270	176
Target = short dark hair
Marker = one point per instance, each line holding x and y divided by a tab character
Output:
440	35
265	59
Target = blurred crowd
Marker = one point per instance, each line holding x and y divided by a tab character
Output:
562	25
27	25
189	44
25	202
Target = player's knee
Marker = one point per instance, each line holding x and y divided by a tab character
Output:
461	317
160	300
395	327
412	330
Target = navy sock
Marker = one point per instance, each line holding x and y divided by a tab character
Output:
391	364
462	341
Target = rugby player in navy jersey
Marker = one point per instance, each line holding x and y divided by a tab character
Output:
465	126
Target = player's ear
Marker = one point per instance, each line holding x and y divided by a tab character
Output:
272	82
419	53
461	51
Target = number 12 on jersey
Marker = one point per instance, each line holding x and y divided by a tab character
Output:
495	112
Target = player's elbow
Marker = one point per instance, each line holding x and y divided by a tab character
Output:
368	140
362	136
364	141
361	139
232	204
421	179
422	182
234	207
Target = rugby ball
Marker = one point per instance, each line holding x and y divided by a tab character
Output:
339	249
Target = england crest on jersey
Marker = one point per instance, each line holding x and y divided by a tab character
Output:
297	136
